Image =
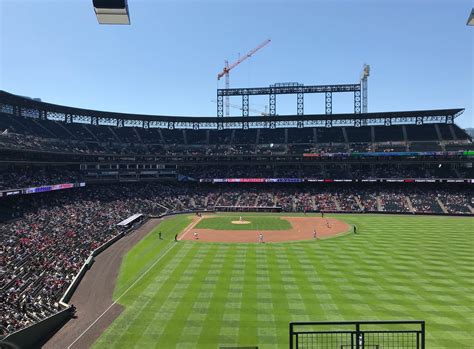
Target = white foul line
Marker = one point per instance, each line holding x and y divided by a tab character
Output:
191	226
123	294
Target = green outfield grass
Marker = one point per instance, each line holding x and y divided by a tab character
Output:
256	223
202	295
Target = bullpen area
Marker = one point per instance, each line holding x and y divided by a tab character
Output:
200	294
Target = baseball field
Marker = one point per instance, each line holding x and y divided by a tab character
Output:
201	294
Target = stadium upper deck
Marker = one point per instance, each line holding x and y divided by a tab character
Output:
88	131
113	146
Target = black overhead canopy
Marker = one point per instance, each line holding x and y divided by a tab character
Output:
25	102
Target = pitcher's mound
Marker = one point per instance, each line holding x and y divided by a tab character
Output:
240	222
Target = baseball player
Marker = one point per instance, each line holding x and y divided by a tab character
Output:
196	235
260	238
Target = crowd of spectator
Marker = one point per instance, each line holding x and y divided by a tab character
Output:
422	204
369	200
27	142
347	200
457	202
229	198
247	198
23	177
394	202
31	176
333	171
43	250
266	199
52	234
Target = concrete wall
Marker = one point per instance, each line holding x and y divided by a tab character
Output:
33	335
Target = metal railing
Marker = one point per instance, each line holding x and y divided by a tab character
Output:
358	335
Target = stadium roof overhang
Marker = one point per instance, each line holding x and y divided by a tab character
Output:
23	106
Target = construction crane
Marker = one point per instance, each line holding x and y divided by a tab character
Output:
364	85
228	68
262	113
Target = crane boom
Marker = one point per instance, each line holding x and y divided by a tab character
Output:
227	69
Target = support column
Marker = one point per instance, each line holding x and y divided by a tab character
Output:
300	103
245	105
328	103
272	103
357	102
220	106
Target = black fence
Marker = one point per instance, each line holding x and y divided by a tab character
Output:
358	335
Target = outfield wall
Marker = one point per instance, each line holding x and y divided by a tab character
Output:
34	335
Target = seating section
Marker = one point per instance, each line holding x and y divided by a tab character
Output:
459	203
85	138
23	177
388	133
276	136
52	234
15	177
422	205
393	202
298	136
421	133
156	169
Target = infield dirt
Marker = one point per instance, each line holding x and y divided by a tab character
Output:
302	229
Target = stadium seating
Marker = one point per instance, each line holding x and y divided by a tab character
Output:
86	138
54	234
128	169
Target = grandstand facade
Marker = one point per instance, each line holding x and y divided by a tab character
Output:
119	147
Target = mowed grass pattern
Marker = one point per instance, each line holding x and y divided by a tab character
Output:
256	223
205	295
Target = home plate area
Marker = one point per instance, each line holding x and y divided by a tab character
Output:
255	229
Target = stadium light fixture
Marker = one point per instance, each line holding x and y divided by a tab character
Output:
111	11
470	21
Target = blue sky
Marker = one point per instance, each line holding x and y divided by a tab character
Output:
420	51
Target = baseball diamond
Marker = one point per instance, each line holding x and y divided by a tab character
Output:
235	294
274	229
